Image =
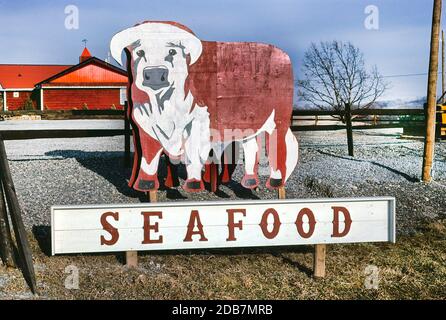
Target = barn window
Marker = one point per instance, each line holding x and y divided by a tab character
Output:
16	94
122	96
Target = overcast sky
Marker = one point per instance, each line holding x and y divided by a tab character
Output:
35	32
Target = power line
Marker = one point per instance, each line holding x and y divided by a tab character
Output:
406	75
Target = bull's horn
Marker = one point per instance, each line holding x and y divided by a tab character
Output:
120	41
155	30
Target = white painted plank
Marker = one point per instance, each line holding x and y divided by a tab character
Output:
78	229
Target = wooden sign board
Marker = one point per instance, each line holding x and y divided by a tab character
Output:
199	225
190	99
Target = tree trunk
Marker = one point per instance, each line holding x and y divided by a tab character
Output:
429	142
348	122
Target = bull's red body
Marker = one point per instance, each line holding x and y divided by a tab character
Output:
242	83
247	89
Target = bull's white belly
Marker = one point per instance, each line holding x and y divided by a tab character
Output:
172	128
187	134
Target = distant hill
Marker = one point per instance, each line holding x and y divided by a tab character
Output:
402	104
384	104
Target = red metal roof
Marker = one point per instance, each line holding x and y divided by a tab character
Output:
22	76
91	72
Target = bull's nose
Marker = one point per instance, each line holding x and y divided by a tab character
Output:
156	77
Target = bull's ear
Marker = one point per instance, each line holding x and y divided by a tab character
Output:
121	40
193	48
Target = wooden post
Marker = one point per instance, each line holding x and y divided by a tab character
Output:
131	257
319	260
319	249
26	259
153	196
6	250
429	142
126	136
282	193
348	121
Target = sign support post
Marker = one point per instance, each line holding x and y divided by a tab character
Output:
319	249
319	261
131	257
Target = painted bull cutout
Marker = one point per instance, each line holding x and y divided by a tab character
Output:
189	98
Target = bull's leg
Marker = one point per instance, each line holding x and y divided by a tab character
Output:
197	147
251	151
292	153
229	162
151	150
194	183
172	174
277	151
194	165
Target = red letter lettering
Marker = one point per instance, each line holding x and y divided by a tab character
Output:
194	220
232	225
109	228
264	224
148	227
347	222
300	222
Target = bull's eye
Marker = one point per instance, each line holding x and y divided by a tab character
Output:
172	52
140	53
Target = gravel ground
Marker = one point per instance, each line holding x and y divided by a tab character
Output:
81	171
90	171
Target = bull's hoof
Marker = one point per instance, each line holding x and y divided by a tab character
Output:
193	185
274	183
147	185
250	182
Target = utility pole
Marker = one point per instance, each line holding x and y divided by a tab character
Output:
442	66
429	141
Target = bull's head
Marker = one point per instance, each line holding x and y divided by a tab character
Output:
159	52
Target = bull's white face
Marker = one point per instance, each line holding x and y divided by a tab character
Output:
158	64
160	55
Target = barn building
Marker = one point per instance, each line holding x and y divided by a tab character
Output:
89	85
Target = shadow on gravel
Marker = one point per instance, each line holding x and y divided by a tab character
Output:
43	236
397	172
110	165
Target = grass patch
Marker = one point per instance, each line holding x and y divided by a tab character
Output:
413	268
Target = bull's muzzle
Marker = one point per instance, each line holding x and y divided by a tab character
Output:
155	77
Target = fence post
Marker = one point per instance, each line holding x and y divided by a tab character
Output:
6	250
126	136
348	121
25	257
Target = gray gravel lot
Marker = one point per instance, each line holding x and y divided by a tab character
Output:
90	170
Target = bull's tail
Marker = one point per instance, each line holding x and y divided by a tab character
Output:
292	153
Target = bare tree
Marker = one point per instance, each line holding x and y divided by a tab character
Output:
335	76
